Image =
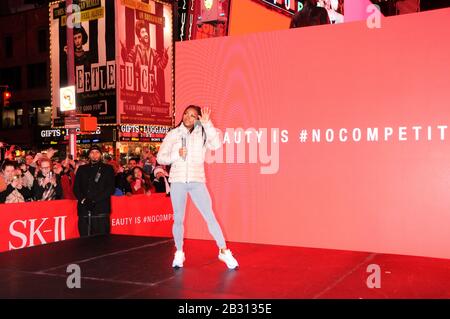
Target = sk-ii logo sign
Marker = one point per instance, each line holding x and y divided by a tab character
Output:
29	232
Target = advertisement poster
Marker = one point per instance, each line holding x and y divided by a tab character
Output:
145	71
94	58
360	163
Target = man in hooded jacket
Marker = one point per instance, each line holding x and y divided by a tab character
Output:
93	187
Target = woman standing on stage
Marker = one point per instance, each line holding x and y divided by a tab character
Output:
184	148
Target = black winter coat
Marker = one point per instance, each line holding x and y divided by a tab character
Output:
95	184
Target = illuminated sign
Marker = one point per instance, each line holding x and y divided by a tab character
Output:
53	133
67	98
187	16
142	133
208	4
61	136
63	132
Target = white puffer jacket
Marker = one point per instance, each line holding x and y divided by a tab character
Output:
192	168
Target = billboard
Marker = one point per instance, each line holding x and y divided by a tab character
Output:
145	58
67	98
341	143
94	59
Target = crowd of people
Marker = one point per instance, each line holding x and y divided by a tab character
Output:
43	176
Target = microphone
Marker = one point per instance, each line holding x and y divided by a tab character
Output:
183	144
197	123
97	177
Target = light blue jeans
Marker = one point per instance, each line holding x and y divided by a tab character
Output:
202	200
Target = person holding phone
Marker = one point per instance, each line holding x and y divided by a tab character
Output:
184	148
47	184
13	190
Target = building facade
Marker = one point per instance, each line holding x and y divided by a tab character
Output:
24	68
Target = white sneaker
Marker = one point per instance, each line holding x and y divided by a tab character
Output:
227	258
179	259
